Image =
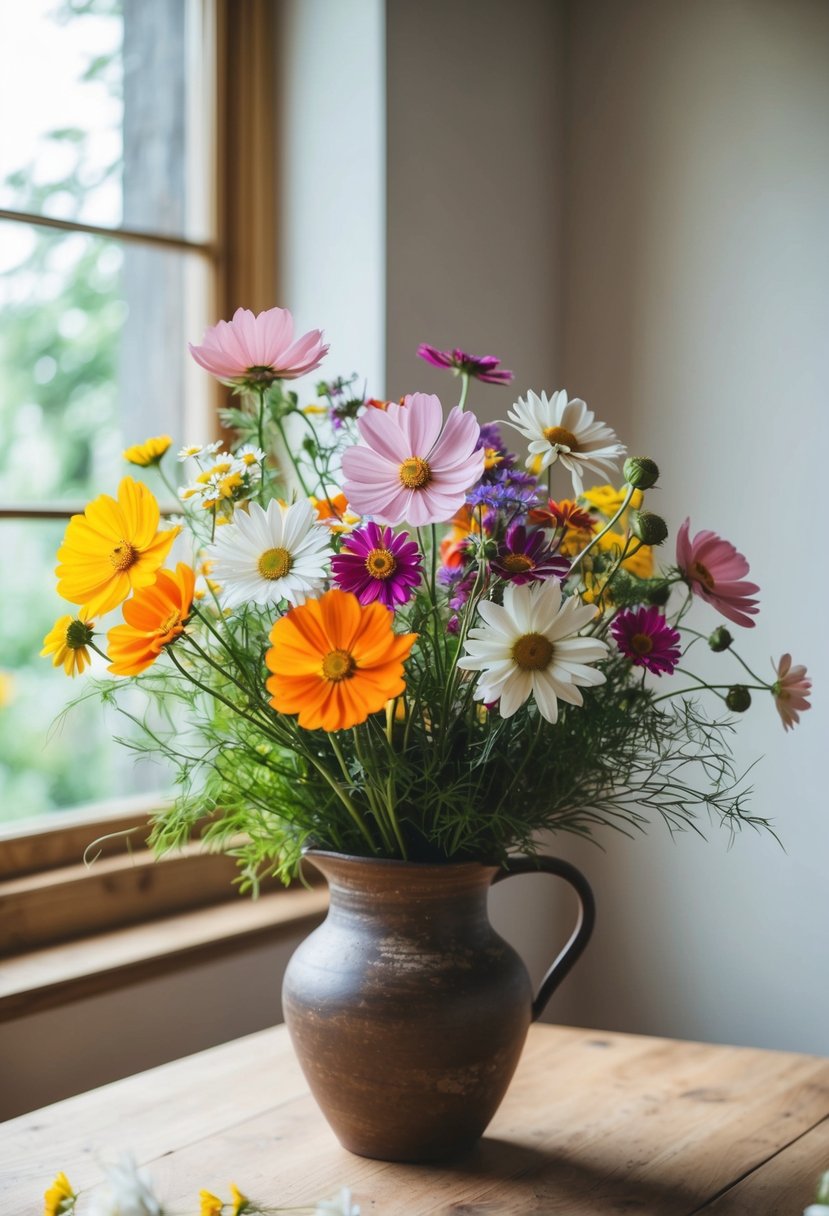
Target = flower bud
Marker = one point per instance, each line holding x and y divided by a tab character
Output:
720	639
649	528
659	594
640	472
738	698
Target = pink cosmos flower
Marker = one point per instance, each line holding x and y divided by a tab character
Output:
485	368
790	689
714	570
407	468
256	350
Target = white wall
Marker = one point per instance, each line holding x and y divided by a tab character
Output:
629	198
696	306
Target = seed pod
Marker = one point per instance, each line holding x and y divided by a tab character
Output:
738	698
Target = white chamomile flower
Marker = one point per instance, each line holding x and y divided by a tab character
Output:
565	431
250	456
127	1192
339	1205
267	556
529	647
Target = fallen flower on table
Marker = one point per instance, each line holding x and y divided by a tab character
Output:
128	1191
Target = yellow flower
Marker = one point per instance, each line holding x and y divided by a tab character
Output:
639	564
241	1203
6	688
68	640
314	409
149	452
607	499
155	616
113	548
211	1205
59	1198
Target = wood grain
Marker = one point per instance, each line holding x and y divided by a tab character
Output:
56	975
593	1125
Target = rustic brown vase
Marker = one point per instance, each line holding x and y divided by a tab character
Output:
406	1009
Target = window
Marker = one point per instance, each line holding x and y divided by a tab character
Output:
135	207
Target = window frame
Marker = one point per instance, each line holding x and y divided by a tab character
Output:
237	50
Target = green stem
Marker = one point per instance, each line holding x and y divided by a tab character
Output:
631	490
464	389
292	458
355	815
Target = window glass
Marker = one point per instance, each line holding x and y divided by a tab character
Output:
106	128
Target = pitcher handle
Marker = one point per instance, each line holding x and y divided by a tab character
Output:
584	924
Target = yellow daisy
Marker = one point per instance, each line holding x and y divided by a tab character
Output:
149	452
211	1205
241	1203
59	1198
68	640
114	548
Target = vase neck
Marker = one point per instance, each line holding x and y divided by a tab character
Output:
377	889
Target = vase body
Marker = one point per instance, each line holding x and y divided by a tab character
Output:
406	1009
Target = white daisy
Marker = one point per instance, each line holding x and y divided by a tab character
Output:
267	556
530	647
566	431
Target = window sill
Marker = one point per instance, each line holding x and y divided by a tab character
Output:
57	975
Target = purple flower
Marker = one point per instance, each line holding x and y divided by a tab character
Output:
645	637
497	459
480	367
374	564
510	491
527	557
459	582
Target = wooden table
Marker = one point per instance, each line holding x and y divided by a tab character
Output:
593	1124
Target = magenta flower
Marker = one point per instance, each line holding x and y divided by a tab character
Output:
480	367
790	689
407	468
714	570
256	350
526	556
374	564
645	637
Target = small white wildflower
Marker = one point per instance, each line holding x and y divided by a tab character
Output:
338	1205
127	1192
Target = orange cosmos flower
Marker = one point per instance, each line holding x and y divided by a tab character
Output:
112	549
335	661
155	616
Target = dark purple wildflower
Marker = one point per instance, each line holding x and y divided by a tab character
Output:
527	556
497	458
479	367
645	637
511	491
374	564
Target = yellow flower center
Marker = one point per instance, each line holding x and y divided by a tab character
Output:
380	563
338	665
415	473
123	555
517	563
642	643
561	436
704	575
275	563
173	621
532	652
492	457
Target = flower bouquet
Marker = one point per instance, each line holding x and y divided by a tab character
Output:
394	635
392	639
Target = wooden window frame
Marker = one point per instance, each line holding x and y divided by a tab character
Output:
48	895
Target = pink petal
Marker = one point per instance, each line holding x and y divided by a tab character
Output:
384	435
420	422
